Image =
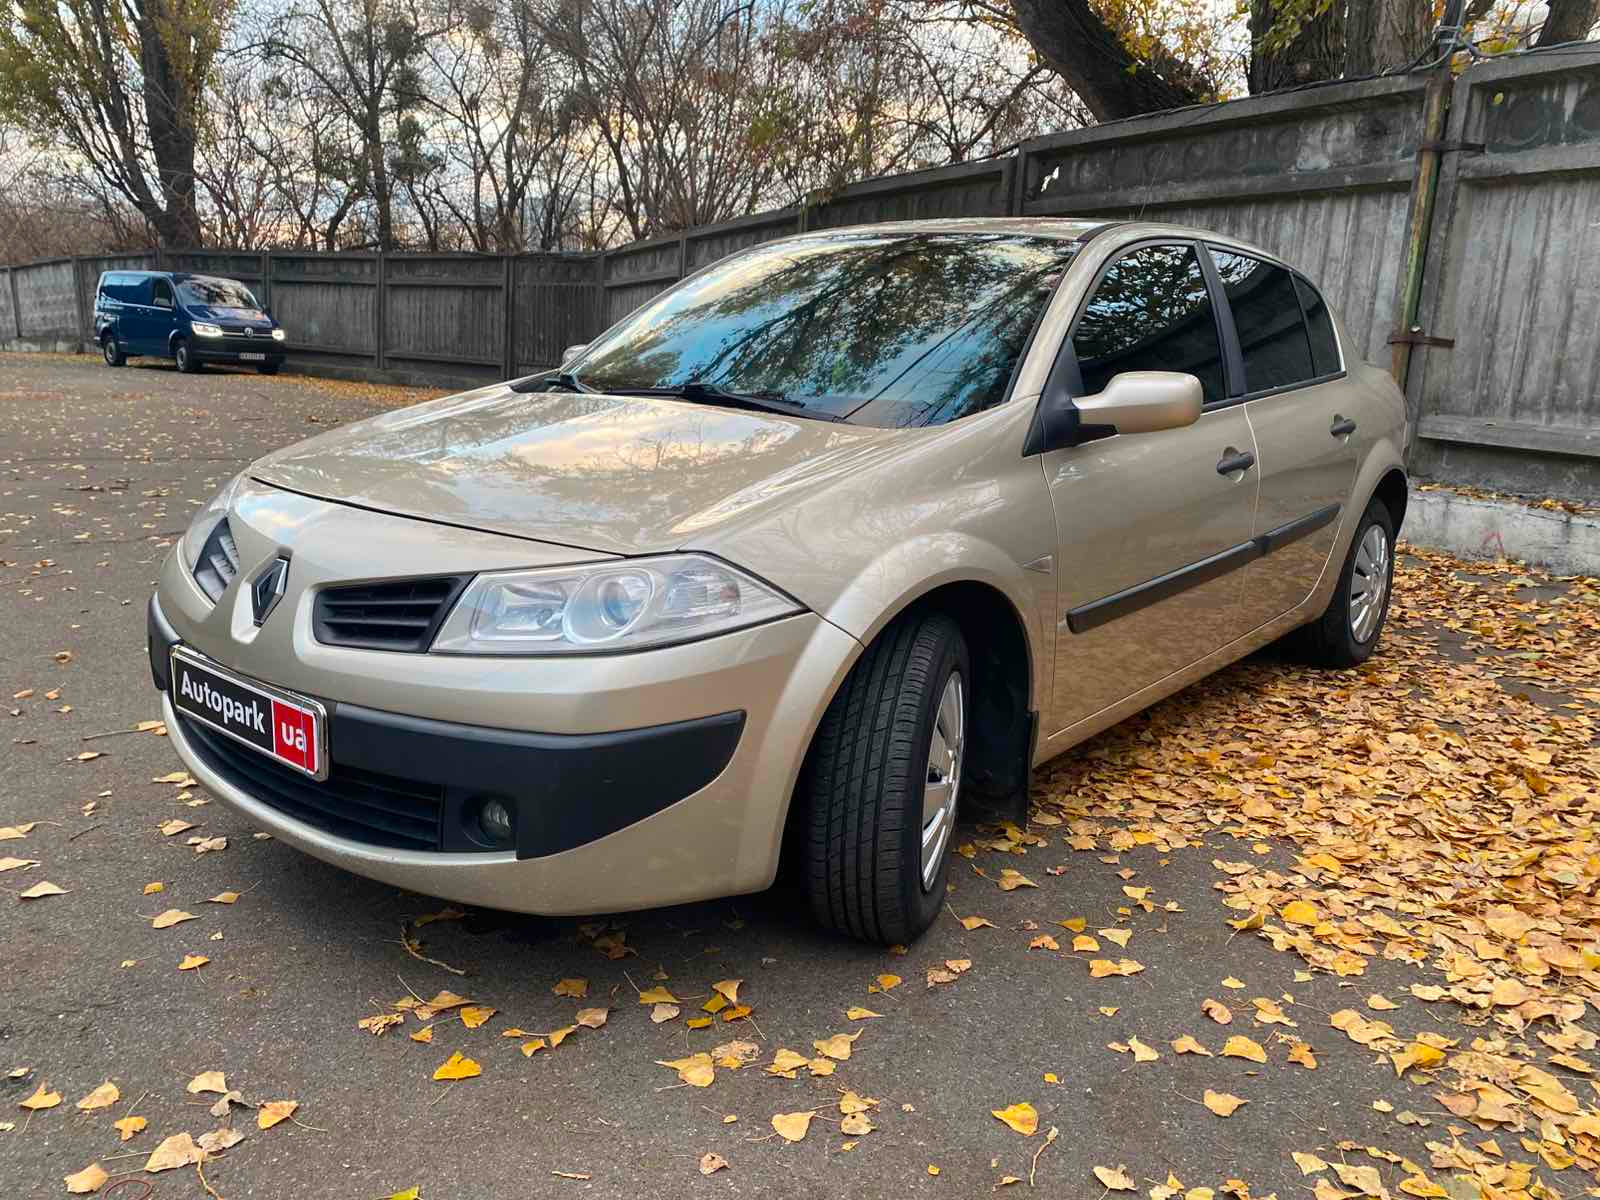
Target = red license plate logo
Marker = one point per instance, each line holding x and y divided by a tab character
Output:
294	736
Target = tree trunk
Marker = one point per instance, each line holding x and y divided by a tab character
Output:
1317	51
169	113
1086	52
1383	34
1569	21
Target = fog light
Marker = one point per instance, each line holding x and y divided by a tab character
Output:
494	820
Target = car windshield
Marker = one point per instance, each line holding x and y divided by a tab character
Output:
216	293
879	328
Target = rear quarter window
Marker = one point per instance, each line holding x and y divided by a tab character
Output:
1319	327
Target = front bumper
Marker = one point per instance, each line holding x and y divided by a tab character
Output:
640	779
407	782
229	350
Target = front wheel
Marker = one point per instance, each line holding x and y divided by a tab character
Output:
882	779
113	352
269	368
185	357
1347	632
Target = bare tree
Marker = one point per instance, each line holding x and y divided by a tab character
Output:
360	60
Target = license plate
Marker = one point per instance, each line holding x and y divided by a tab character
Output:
291	729
248	356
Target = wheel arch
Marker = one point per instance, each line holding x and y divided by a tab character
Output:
1394	492
1002	721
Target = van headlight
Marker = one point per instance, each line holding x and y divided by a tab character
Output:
194	538
625	605
205	329
278	335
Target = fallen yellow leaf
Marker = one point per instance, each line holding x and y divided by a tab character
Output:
1239	1046
1023	1117
457	1067
695	1070
86	1181
128	1126
103	1096
41	1099
275	1111
1224	1104
792	1127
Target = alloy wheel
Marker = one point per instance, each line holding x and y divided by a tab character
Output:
1369	583
944	777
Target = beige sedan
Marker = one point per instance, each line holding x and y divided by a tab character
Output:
834	540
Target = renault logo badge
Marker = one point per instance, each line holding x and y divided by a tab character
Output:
268	588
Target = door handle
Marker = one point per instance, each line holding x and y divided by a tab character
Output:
1342	426
1235	460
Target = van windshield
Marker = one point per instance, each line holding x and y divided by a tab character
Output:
216	293
881	328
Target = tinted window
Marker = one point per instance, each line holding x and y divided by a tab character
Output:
1266	314
883	328
216	293
163	293
1319	325
1150	311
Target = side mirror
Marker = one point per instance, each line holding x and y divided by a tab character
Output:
1144	402
572	352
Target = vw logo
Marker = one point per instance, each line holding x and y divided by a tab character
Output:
268	588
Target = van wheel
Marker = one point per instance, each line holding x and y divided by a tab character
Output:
881	781
1347	633
268	368
113	352
185	357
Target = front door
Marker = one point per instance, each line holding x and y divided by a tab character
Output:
163	317
1152	528
1293	383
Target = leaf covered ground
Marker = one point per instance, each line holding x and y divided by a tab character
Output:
1286	932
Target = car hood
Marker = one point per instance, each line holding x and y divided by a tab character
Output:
253	317
609	473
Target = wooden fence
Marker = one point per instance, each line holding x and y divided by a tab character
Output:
1506	394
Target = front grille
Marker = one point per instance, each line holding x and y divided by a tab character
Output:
363	806
403	614
218	562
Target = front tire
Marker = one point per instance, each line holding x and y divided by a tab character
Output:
113	353
1347	632
268	368
185	357
881	782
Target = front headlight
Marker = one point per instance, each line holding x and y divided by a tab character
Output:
206	328
194	538
278	335
628	605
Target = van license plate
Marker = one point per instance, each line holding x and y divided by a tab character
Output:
248	356
291	729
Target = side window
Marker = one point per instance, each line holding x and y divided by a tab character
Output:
1266	314
1151	311
1324	344
163	293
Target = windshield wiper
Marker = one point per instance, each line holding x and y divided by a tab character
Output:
709	393
551	380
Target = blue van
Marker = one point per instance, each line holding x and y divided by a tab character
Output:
192	319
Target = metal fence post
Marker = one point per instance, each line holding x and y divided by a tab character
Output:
79	306
509	350
16	301
380	304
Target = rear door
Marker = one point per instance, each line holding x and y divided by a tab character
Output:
1152	528
1296	397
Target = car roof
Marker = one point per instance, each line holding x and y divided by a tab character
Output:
1063	228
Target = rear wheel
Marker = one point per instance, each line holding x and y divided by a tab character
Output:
882	780
113	352
1347	632
185	357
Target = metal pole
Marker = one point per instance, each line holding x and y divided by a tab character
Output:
1424	188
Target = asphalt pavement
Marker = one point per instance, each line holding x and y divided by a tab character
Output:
99	472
